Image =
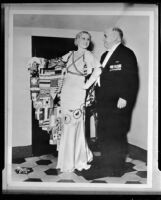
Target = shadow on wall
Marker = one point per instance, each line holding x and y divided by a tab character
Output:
124	42
134	103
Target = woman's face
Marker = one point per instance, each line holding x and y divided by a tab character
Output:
83	41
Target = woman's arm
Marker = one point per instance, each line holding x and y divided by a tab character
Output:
92	63
96	73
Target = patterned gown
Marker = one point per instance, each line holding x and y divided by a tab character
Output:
73	152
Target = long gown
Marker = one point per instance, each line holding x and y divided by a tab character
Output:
73	149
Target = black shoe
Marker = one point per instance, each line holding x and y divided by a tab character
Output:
93	169
96	161
77	172
95	173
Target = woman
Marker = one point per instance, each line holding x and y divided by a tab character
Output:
73	149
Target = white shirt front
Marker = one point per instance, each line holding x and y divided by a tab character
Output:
109	54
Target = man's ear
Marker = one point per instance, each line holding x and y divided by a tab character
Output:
116	35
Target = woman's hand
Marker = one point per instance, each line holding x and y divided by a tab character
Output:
85	87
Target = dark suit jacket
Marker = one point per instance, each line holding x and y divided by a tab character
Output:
119	78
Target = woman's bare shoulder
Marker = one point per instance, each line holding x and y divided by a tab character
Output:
68	53
65	57
89	54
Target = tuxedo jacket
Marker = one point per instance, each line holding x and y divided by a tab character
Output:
119	78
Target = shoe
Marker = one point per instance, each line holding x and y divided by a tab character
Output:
96	161
92	174
93	169
77	172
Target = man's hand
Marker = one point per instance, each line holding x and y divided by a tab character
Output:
121	103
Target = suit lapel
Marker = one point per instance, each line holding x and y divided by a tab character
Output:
103	56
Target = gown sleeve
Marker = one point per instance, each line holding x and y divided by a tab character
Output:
66	56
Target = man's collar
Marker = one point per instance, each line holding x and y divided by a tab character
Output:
114	47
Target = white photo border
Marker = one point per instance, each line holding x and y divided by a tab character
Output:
85	187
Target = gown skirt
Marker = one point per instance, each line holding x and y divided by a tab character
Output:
73	150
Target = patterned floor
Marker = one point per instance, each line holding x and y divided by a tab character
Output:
43	169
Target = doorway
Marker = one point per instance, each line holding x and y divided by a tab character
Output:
46	47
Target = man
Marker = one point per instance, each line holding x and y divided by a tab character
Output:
115	95
115	99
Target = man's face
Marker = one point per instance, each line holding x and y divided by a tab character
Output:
109	38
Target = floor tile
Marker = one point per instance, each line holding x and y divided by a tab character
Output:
140	167
130	177
132	182
142	174
67	175
29	163
73	176
52	165
143	180
41	168
133	172
98	181
43	162
138	162
33	180
47	178
32	159
51	171
46	157
36	174
66	181
54	160
14	166
114	180
80	179
19	177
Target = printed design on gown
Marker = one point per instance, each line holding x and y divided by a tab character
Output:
57	129
67	119
77	113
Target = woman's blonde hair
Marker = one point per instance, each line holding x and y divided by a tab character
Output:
79	35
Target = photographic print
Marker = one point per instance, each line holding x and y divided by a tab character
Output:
81	98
